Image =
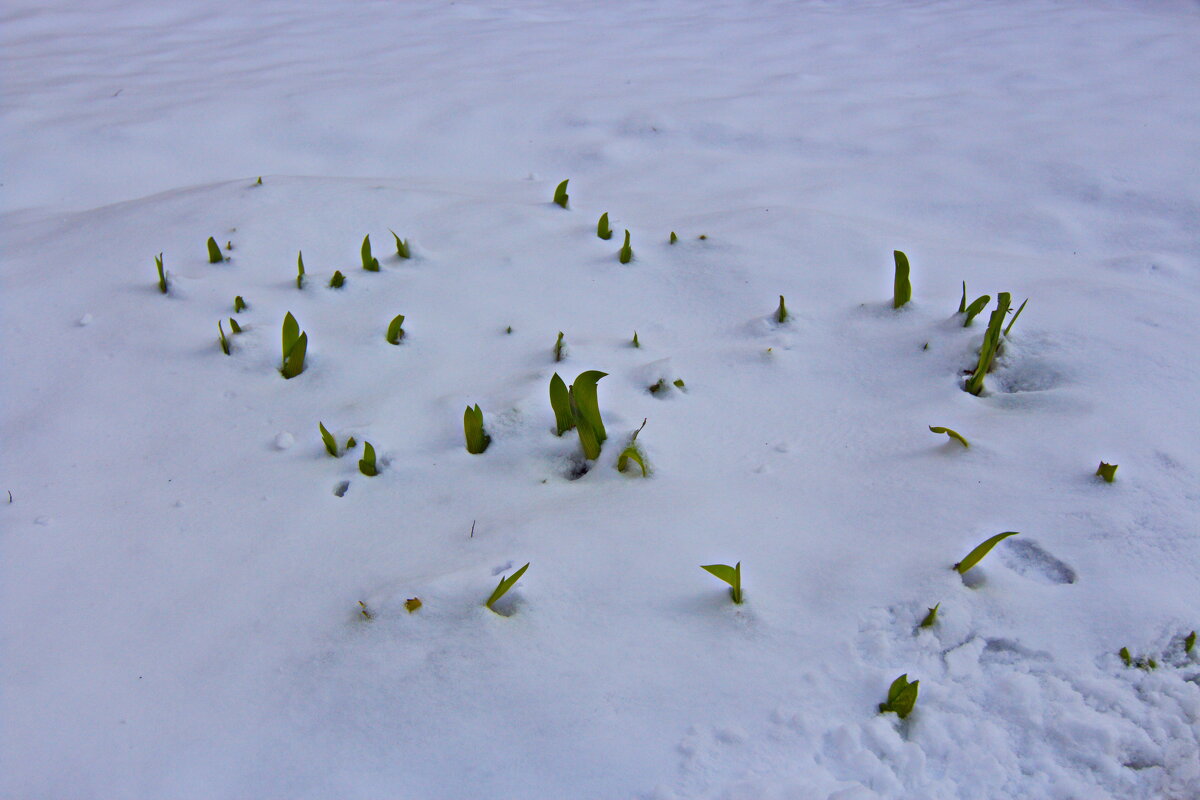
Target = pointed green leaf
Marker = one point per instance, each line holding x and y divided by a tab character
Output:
1126	657
560	194
902	291
224	341
674	238
401	246
477	439
602	229
902	697
991	343
930	618
1189	642
366	464
234	326
506	583
976	555
781	313
1013	321
731	575
369	263
962	304
636	343
972	311
239	305
952	434
395	331
293	362
561	403
583	391
558	347
162	275
626	254
299	269
327	438
214	252
291	332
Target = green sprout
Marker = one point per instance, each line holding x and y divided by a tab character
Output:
976	555
657	386
674	238
955	435
781	313
1141	662
368	263
224	342
626	254
635	341
477	440
731	575
602	229
962	304
1107	471
632	453
239	305
330	443
991	343
560	194
402	249
338	280
1189	642
560	401
1013	321
679	384
558	347
363	611
259	181
902	291
162	275
509	582
234	326
585	410
930	618
366	464
977	305
412	604
351	443
394	331
295	346
214	252
299	269
901	697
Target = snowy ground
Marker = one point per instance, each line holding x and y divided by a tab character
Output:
180	583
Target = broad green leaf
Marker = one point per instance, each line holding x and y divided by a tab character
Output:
477	440
366	464
401	245
781	313
902	697
234	326
162	275
630	453
587	438
291	332
369	263
299	269
293	362
583	391
560	401
626	254
951	433
976	555
731	575
327	438
214	252
505	584
902	291
560	194
395	331
602	229
1013	321
972	311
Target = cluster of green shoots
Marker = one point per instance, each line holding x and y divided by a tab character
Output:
295	346
477	438
1141	662
402	248
576	406
366	464
992	339
162	274
901	697
331	446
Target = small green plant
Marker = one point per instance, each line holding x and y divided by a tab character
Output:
973	310
560	194
633	453
559	348
299	269
781	313
162	275
731	575
1189	642
338	280
1141	662
369	263
585	411
477	439
224	342
351	443
902	291
602	229
955	435
901	697
395	331
402	249
366	464
239	305
657	386
295	346
635	341
962	304
330	443
259	181
506	583
976	555
363	611
560	401
991	343
1107	471
234	327
678	383
1013	321
626	254
931	618
508	329
412	604
214	252
674	238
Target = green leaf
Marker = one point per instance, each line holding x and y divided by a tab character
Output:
239	305
587	437
902	697
781	313
731	575
327	438
506	583
558	347
293	362
631	453
602	229
395	332
972	311
1189	642
1126	657
951	433
337	281
299	269
679	384
674	238
368	263
1013	321
636	343
351	444
259	181
902	291
657	386
162	275
560	401
626	254
583	393
991	343
291	332
214	252
223	340
930	618
234	326
962	304
1107	471
401	246
477	440
560	194
976	555
366	464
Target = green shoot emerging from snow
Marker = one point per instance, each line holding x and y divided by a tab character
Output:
234	326
632	453
363	611
162	275
509	582
602	229
558	347
962	304
1141	662
626	254
731	575
1189	642
295	346
930	618
337	280
978	305
239	305
976	555
679	384
330	443
991	343
902	291
560	194
635	342
369	263
560	401
781	313
214	252
395	331
955	435
402	250
1013	321
299	269
1107	471
585	411
412	604
901	697
477	439
366	464
674	238
224	342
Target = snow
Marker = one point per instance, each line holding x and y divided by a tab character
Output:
181	580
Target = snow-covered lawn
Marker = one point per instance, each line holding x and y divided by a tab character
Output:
182	563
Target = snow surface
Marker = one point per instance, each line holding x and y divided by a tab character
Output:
180	583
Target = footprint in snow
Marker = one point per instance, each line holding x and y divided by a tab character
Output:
1030	560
